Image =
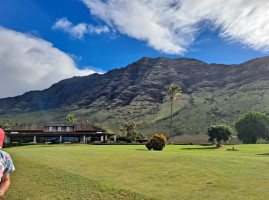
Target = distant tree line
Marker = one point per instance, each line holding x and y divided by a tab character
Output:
250	127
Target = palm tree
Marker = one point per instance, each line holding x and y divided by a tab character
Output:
173	91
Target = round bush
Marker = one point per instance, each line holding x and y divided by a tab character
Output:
157	142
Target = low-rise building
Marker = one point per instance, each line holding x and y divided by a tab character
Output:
56	133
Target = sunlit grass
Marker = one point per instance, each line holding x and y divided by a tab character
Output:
132	172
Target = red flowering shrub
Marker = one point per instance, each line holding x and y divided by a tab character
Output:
148	145
157	142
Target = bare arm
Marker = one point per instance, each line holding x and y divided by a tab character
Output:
5	182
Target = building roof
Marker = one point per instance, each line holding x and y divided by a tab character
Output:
87	127
41	127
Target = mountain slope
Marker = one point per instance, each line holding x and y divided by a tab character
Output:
213	93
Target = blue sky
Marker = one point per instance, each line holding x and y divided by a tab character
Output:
99	35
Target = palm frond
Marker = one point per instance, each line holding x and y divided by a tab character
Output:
173	91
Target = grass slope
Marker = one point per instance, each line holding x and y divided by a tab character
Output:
132	172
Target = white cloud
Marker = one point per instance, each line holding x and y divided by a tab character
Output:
30	63
96	70
170	26
79	30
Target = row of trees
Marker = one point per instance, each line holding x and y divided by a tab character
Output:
250	127
128	130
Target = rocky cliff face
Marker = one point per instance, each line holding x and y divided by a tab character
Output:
213	93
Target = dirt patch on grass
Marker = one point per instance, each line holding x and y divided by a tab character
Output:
190	138
198	139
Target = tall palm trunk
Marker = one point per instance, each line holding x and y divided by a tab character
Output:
173	91
171	122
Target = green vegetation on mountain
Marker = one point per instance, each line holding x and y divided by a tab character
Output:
71	119
212	94
5	124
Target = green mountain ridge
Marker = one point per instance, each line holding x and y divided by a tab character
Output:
212	94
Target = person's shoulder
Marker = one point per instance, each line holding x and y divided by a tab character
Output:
6	160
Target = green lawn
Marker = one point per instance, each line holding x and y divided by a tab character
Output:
132	172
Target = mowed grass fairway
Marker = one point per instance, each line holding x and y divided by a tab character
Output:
132	172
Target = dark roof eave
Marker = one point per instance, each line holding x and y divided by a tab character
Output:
59	133
89	131
24	130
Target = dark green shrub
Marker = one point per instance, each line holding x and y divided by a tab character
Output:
219	133
157	142
252	126
111	142
97	142
123	138
140	135
7	145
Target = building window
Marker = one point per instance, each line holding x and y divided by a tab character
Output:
69	128
52	128
59	128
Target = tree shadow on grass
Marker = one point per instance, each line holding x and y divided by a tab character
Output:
49	146
205	148
263	154
141	149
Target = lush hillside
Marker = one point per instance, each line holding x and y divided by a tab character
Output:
213	93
